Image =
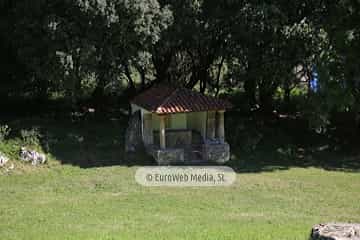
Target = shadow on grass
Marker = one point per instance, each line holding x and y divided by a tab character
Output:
256	145
88	143
281	144
274	161
95	145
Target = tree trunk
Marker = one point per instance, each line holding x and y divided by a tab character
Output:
102	77
250	90
218	76
194	79
131	86
250	83
287	91
266	92
161	64
142	77
203	79
99	92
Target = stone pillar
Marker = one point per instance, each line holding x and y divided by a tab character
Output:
162	132
210	125
220	129
147	129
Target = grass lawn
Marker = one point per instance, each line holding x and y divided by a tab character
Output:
69	199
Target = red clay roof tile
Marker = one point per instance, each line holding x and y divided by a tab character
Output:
163	99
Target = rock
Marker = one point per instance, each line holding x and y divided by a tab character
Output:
10	168
3	159
336	231
216	152
32	156
169	156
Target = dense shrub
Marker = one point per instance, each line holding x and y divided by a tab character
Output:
4	132
31	137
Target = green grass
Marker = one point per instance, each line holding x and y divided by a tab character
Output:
68	202
75	197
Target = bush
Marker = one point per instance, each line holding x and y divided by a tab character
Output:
287	153
251	140
4	132
31	137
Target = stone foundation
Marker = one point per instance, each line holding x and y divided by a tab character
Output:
216	152
210	152
168	156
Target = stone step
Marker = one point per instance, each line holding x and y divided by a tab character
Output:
200	162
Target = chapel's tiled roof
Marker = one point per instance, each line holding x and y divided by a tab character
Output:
163	99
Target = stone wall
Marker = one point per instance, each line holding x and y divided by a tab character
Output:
168	156
216	152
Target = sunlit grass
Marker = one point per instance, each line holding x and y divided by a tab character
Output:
88	191
67	202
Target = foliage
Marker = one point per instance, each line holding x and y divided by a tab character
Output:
4	132
101	48
250	140
31	137
11	148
